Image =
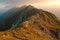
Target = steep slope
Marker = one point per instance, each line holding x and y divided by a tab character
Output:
10	18
34	24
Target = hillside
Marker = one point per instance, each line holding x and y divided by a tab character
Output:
34	24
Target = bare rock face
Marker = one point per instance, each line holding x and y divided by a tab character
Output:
34	24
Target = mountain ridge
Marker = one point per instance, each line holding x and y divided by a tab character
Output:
34	24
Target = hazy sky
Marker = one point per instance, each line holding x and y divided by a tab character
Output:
49	5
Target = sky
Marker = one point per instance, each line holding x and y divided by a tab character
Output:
52	6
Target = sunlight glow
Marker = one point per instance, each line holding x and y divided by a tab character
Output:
53	3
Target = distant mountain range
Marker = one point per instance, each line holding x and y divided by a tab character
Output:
29	23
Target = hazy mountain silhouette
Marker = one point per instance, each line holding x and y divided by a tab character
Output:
30	23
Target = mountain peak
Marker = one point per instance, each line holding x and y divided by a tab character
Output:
30	6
